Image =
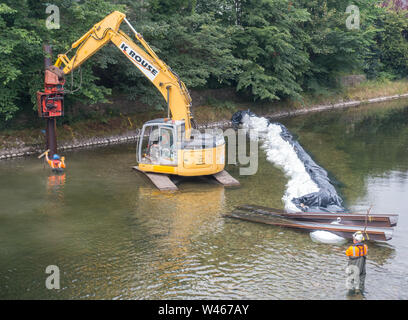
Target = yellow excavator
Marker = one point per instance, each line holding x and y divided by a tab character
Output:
169	145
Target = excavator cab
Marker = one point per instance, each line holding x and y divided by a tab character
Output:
163	148
157	144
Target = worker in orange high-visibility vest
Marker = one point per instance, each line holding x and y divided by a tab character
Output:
357	254
57	164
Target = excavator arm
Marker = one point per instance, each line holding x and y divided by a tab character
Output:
164	79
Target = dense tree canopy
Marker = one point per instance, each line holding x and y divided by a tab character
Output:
267	49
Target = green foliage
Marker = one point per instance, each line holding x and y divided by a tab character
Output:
221	104
268	49
195	46
18	47
22	61
333	49
393	43
163	8
387	56
271	42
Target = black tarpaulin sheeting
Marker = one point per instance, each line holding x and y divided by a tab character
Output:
326	199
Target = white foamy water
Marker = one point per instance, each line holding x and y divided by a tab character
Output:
281	153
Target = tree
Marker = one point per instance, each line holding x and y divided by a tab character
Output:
268	49
22	62
392	43
271	41
333	48
20	49
196	46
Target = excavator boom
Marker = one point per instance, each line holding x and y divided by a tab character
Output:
168	83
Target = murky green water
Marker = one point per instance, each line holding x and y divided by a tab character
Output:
113	236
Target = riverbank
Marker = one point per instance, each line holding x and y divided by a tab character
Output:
126	128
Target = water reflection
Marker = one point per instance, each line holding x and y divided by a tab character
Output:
55	183
184	216
354	144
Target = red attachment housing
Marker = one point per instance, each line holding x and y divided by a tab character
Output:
51	101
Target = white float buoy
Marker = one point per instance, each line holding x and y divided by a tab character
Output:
326	237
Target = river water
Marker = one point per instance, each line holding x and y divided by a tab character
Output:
113	236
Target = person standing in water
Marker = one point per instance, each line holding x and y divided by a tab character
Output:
56	163
357	254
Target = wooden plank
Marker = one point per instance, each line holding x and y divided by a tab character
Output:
343	218
163	182
160	180
382	234
226	179
378	220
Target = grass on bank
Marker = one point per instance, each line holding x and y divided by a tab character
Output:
366	90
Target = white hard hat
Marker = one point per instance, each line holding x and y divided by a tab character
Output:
358	236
